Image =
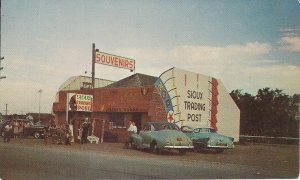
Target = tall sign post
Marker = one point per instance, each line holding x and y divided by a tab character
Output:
93	65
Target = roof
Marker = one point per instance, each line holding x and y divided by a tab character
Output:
81	82
135	80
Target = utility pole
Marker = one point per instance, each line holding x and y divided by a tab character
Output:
6	110
1	58
40	94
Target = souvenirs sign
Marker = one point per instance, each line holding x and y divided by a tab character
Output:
113	60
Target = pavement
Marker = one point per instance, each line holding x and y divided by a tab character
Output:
250	161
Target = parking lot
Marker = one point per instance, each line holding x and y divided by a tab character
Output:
265	156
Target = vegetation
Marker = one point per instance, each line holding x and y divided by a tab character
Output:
269	113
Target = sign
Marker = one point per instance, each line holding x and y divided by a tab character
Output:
198	100
80	102
113	60
186	96
163	92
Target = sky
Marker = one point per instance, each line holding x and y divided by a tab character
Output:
248	45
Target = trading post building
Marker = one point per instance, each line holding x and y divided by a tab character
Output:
177	96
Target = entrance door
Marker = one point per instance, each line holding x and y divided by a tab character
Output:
137	118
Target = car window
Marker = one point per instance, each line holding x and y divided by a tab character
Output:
152	128
187	129
213	130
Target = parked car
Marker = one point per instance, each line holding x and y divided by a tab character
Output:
208	138
161	135
35	130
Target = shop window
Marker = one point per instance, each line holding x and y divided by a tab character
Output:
116	120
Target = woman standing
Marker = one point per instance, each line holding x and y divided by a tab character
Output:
16	129
21	129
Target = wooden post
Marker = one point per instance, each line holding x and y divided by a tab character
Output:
102	132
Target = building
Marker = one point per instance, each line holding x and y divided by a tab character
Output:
197	100
177	96
113	106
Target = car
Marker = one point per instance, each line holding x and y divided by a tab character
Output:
158	136
35	130
208	138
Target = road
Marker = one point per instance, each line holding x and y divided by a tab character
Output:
24	162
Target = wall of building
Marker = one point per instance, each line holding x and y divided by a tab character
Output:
156	111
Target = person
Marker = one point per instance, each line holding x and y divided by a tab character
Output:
67	134
46	135
26	126
21	129
8	132
16	129
85	129
134	127
130	131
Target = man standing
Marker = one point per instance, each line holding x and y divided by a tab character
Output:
130	131
134	128
85	130
8	132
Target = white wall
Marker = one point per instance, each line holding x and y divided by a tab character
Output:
189	83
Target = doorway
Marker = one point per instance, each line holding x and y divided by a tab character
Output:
137	119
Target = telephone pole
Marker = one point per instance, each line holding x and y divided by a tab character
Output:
1	58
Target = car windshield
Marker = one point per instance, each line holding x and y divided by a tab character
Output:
187	129
204	130
164	126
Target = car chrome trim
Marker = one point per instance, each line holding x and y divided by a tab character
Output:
223	147
178	147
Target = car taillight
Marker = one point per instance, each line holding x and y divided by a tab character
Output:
179	139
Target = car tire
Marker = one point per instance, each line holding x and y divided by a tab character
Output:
182	151
36	135
132	145
154	148
218	150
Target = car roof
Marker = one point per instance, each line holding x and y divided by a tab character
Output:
161	122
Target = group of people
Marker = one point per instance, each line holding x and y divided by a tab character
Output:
14	128
132	129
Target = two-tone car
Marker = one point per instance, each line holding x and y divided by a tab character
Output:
158	136
208	138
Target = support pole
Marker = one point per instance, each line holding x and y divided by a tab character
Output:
93	65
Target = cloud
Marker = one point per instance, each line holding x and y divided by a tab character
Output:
238	66
290	43
243	66
42	40
290	40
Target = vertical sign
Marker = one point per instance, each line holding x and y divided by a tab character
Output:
163	92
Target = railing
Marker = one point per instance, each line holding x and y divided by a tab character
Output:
268	140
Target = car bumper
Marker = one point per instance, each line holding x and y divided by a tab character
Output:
221	147
178	147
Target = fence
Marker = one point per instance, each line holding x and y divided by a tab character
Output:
268	140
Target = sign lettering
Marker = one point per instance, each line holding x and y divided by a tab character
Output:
113	60
194	106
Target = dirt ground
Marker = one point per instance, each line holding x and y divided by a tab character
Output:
265	156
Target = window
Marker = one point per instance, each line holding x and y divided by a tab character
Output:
117	120
187	129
